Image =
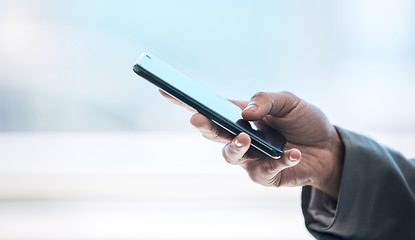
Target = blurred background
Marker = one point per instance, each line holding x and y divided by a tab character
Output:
89	150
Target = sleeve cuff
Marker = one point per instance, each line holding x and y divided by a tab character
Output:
374	186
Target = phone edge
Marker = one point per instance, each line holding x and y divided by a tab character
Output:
222	122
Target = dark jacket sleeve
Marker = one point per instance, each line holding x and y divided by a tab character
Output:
377	195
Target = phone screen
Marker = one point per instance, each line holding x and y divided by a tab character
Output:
218	109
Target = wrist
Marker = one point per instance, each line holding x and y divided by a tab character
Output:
330	183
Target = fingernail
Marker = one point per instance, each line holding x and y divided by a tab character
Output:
292	159
237	143
251	107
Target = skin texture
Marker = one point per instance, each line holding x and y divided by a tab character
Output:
314	152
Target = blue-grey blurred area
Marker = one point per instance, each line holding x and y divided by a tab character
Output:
67	65
89	150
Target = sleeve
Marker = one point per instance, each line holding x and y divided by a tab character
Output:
376	199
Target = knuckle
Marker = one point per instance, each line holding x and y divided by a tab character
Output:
224	154
213	128
260	95
270	167
209	132
207	136
287	163
289	95
227	159
254	177
267	168
276	180
229	153
257	175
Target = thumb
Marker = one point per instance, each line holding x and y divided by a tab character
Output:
268	172
274	104
289	159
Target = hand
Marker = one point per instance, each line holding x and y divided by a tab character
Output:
314	154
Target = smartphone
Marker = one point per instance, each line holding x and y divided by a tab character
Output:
216	108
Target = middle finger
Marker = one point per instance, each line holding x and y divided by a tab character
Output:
210	130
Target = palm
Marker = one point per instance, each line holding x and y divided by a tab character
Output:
307	129
310	137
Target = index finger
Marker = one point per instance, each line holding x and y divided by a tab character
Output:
175	100
241	104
